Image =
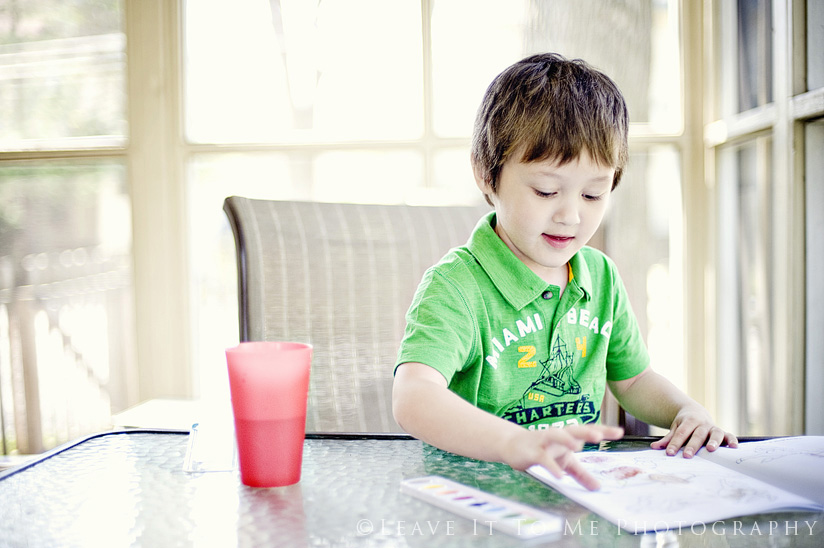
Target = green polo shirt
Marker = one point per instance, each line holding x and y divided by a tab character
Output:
507	343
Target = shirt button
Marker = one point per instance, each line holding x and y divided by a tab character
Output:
547	295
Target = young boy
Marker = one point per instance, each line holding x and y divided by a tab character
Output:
518	333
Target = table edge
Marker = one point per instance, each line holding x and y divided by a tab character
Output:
83	439
309	435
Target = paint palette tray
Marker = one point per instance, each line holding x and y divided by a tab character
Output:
486	510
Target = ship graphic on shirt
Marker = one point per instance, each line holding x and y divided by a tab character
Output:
556	379
556	376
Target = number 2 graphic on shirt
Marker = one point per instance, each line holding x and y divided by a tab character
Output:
528	352
582	346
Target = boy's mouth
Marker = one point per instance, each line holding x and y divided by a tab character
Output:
558	242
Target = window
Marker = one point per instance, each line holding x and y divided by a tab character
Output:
754	54
293	100
128	148
762	117
746	224
66	315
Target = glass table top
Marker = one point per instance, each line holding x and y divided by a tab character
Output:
130	489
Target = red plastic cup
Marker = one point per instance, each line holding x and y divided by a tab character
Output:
269	384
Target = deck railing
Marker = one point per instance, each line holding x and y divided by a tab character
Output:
66	345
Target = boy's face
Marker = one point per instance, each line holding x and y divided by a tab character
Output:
546	212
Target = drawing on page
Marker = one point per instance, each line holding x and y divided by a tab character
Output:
594	458
635	470
622	472
735	490
671	478
770	453
656	503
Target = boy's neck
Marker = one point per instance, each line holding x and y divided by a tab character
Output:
559	277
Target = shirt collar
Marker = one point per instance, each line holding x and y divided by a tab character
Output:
580	276
515	281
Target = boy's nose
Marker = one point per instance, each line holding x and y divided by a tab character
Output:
566	213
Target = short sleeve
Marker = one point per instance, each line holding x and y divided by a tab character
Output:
440	330
627	355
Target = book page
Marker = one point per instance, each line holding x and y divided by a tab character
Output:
648	490
795	464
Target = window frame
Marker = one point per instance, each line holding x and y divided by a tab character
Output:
156	154
784	119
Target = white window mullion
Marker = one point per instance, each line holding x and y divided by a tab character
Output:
158	201
696	231
788	290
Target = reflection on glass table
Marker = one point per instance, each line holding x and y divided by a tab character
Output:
131	488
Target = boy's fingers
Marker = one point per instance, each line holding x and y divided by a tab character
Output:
580	433
552	466
716	439
696	441
557	442
580	474
612	432
566	437
678	439
719	438
663	442
567	463
593	433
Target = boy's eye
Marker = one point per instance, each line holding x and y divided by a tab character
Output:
542	194
592	197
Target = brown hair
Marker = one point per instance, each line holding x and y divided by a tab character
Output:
551	108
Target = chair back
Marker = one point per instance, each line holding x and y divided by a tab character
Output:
341	277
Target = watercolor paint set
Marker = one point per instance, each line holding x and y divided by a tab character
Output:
487	511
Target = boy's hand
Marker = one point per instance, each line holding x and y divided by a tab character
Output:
692	429
655	400
421	400
553	449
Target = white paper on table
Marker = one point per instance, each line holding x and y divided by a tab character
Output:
795	464
648	490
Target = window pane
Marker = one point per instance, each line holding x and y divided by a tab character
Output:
754	53
754	228
66	348
646	207
213	272
637	46
815	44
465	59
746	366
289	70
452	182
376	177
62	73
814	198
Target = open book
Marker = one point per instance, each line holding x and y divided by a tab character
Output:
648	490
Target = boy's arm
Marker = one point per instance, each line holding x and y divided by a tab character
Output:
424	407
653	399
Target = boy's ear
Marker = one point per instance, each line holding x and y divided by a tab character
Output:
480	180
